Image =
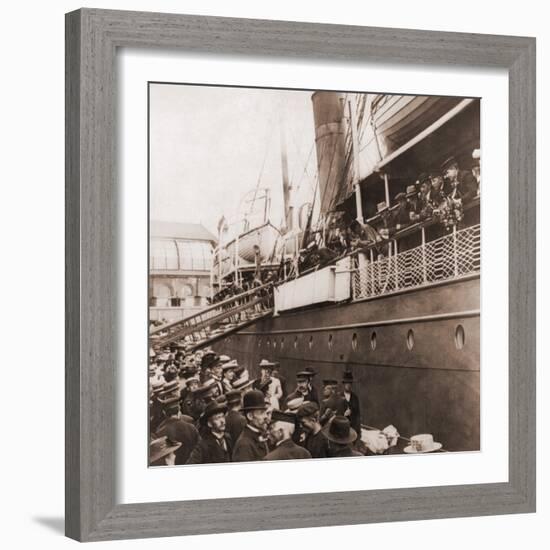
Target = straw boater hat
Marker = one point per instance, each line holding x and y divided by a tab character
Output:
224	359
294	404
265	364
253	400
159	448
422	443
230	365
242	383
339	430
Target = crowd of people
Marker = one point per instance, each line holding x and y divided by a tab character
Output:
205	408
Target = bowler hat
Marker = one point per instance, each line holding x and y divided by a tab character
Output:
339	430
253	400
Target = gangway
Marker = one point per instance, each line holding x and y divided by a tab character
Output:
217	321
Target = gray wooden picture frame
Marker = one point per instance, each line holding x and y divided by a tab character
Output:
92	39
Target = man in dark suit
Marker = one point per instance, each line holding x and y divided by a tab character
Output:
341	437
252	443
314	441
304	387
460	183
234	420
179	430
332	404
353	409
281	430
215	445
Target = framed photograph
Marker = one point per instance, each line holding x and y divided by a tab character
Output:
300	275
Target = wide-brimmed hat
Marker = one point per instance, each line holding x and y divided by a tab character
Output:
230	365
339	430
224	359
265	364
242	383
253	400
214	407
422	443
308	408
159	448
233	396
206	387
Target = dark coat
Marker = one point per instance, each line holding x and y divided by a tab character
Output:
334	405
183	432
317	445
249	447
355	412
210	450
234	424
287	450
343	452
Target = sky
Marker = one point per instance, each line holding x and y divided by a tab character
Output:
208	145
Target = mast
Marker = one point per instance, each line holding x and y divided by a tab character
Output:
287	188
352	106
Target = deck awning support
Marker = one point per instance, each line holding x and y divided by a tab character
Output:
425	133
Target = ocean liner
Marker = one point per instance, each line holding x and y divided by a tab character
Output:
403	314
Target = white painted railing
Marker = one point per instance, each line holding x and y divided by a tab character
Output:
446	258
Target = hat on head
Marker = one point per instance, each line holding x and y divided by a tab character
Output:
280	416
161	447
169	401
347	377
253	400
339	430
233	396
265	364
423	177
242	383
206	387
230	365
400	196
411	190
307	408
157	385
214	407
308	373
330	382
294	404
422	443
224	359
451	161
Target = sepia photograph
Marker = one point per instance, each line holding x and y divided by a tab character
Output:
314	274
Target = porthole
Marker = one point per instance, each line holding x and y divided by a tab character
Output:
373	340
354	342
310	342
410	339
330	341
460	337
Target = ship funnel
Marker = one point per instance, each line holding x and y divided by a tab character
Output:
328	115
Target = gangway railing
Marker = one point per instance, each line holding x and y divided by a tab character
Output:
217	320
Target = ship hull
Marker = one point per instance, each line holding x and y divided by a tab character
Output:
415	356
